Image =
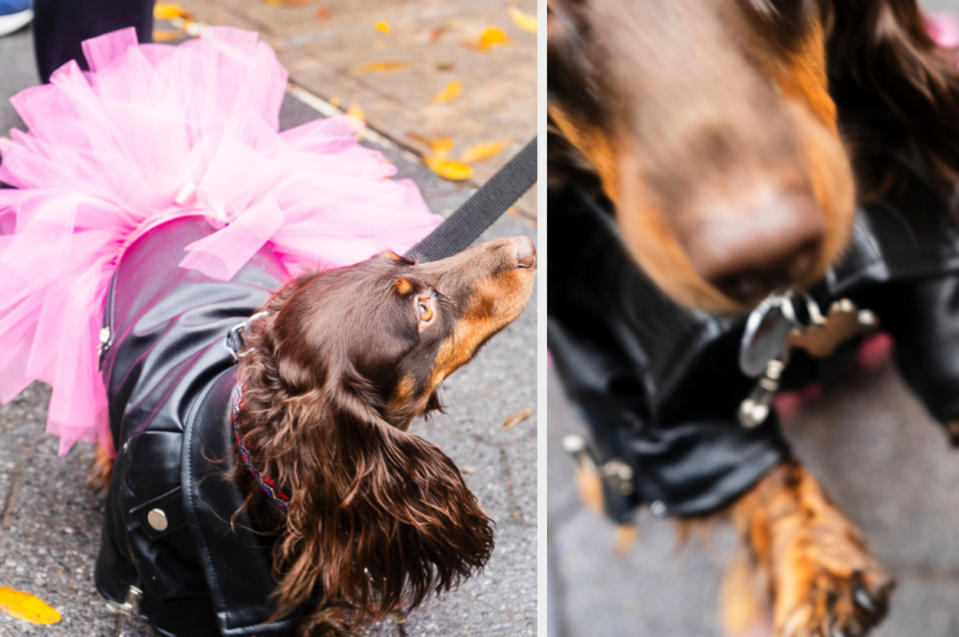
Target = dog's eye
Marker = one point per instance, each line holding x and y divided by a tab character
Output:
424	309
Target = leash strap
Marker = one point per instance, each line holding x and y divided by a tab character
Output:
478	212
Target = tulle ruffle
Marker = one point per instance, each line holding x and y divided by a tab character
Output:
151	133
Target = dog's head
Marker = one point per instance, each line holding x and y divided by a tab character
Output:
731	134
343	362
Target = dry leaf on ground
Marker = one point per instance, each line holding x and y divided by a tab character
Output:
516	419
322	14
525	21
167	35
27	607
452	91
168	11
381	67
492	36
439	146
355	111
448	169
485	150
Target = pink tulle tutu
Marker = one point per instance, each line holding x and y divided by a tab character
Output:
151	133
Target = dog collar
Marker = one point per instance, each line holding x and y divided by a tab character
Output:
275	494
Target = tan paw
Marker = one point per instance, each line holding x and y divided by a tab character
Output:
819	600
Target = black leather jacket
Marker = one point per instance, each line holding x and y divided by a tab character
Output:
169	380
659	385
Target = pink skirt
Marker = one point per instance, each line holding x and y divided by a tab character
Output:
155	132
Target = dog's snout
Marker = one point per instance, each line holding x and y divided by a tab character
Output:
525	252
770	243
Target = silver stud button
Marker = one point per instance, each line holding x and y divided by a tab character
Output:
157	520
658	508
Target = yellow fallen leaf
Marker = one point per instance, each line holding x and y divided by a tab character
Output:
272	1
438	146
167	35
441	145
168	11
525	21
448	169
27	607
335	101
382	26
380	67
492	36
448	94
355	111
484	151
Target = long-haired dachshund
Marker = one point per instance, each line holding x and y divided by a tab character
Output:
356	516
377	518
734	139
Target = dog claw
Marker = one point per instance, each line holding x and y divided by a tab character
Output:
865	601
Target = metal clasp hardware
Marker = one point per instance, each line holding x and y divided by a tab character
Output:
234	337
615	474
105	340
131	603
619	476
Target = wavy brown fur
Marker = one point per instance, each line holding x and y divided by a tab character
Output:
897	93
378	518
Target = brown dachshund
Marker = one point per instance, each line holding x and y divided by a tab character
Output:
339	369
372	518
734	138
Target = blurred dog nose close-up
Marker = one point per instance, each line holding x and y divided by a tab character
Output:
755	245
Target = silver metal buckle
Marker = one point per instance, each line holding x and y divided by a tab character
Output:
234	337
131	603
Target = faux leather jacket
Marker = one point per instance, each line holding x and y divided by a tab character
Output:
169	379
659	385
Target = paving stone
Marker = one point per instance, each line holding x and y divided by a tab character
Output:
870	443
478	607
325	57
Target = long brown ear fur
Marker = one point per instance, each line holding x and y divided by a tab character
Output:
897	94
378	518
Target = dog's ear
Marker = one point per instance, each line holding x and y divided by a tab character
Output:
897	92
378	517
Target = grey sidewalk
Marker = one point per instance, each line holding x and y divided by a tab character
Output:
49	521
877	453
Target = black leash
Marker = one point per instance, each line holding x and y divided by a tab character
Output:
478	212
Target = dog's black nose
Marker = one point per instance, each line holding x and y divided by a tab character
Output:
768	244
525	252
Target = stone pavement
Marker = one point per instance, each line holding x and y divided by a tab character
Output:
328	46
49	520
878	454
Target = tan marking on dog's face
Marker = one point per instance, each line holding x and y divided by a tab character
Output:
594	144
403	287
684	131
494	303
804	78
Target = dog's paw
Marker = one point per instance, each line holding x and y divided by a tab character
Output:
836	597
